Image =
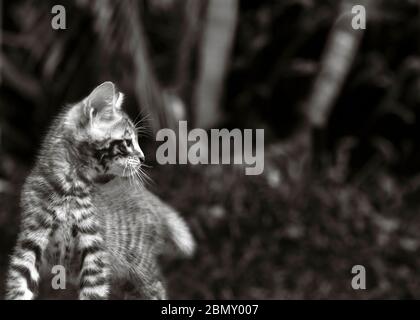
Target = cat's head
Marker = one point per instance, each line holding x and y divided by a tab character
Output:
109	134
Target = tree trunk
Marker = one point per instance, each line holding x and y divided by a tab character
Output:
215	49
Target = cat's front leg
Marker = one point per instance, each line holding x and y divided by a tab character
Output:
23	274
94	272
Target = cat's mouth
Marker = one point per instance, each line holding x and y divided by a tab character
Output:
131	166
133	162
134	169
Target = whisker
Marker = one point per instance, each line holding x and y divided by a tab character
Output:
146	134
145	176
146	165
125	167
130	177
142	128
139	180
136	176
145	119
137	116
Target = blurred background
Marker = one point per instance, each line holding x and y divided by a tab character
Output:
339	107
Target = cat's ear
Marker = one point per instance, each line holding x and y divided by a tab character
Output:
119	100
101	98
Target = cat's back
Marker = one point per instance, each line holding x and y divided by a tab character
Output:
121	195
133	225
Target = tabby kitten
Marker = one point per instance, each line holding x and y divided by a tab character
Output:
101	233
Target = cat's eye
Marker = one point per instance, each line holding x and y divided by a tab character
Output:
128	143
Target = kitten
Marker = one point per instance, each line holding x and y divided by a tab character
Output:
101	233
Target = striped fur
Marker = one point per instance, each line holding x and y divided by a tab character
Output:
139	227
99	232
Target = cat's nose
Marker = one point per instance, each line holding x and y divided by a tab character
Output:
141	157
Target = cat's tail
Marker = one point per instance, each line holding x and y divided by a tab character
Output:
179	234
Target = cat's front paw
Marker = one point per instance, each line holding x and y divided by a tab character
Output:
94	292
17	294
185	242
180	235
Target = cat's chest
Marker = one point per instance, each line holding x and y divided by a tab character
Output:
63	244
64	236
